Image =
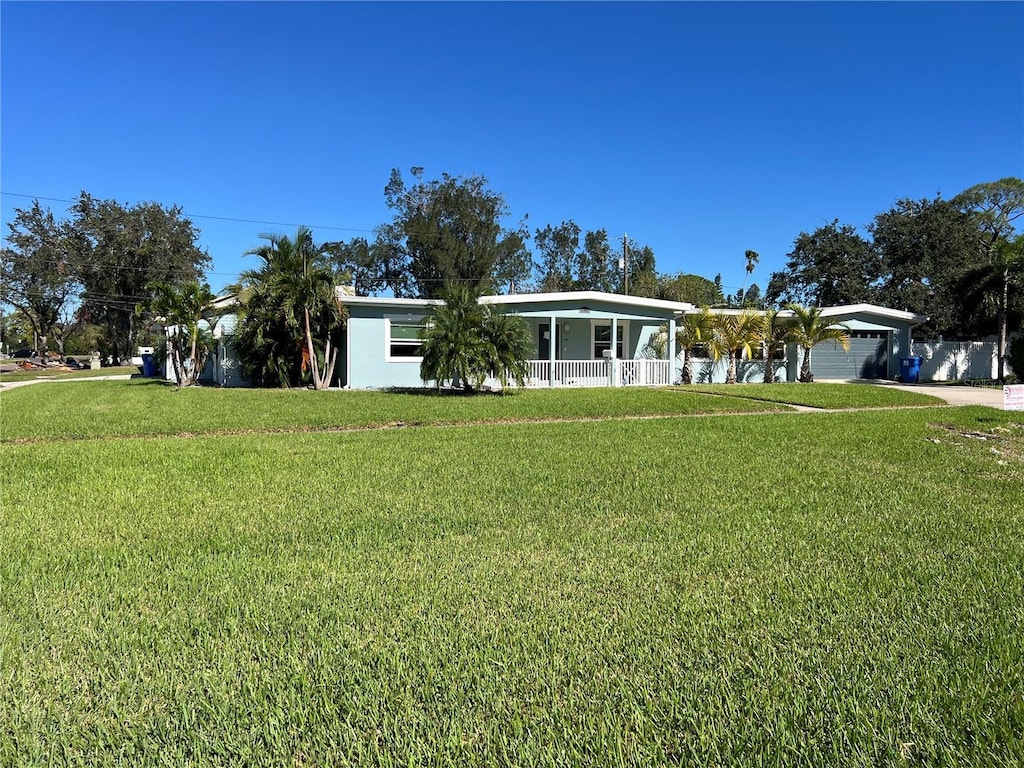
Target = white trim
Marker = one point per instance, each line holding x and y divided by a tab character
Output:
388	357
611	298
383	301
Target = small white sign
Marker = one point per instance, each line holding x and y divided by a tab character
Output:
1013	397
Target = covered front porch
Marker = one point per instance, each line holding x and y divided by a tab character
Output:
573	337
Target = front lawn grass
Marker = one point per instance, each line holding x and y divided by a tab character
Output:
148	407
794	589
821	395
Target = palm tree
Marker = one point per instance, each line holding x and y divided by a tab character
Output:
291	312
183	310
693	330
508	346
733	336
454	349
464	343
775	333
810	329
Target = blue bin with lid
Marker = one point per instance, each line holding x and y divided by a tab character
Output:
148	368
910	369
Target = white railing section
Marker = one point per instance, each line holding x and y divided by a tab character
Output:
599	373
644	373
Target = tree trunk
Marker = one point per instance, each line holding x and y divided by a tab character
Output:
730	376
1001	369
314	369
769	368
805	369
687	367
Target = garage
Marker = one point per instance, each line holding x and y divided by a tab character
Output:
868	357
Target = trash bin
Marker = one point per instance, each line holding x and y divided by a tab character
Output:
148	369
910	369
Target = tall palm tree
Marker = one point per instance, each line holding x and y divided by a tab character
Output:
810	329
292	312
733	336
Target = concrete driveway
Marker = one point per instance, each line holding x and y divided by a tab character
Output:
954	395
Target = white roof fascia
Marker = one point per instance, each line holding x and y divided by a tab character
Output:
611	298
384	301
874	309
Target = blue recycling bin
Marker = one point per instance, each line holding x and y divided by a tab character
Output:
910	369
148	369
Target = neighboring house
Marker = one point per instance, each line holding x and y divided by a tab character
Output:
572	336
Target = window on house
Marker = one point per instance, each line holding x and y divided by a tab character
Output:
603	340
405	340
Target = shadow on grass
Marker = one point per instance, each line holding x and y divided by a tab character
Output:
433	392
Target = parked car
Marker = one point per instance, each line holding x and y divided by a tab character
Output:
26	353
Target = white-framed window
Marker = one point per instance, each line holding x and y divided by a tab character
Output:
403	341
601	338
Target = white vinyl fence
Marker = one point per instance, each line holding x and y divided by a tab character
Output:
955	360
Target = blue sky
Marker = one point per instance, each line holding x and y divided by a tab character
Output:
699	129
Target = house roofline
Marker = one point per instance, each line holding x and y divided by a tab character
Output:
611	298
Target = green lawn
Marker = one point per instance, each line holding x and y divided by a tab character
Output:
785	589
818	395
149	407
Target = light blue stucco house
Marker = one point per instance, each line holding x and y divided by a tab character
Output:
572	336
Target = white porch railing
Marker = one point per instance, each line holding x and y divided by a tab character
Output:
599	373
644	373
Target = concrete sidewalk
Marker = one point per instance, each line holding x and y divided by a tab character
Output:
5	385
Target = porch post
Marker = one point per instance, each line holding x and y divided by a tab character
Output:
612	356
671	350
552	340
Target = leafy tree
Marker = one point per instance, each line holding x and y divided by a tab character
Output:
371	267
37	275
464	342
597	264
290	313
187	312
643	277
560	256
832	265
692	289
809	329
747	298
928	248
995	206
119	251
447	232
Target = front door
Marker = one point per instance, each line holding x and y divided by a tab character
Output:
544	341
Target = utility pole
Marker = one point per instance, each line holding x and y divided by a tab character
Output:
625	264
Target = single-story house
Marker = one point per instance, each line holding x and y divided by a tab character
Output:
572	336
